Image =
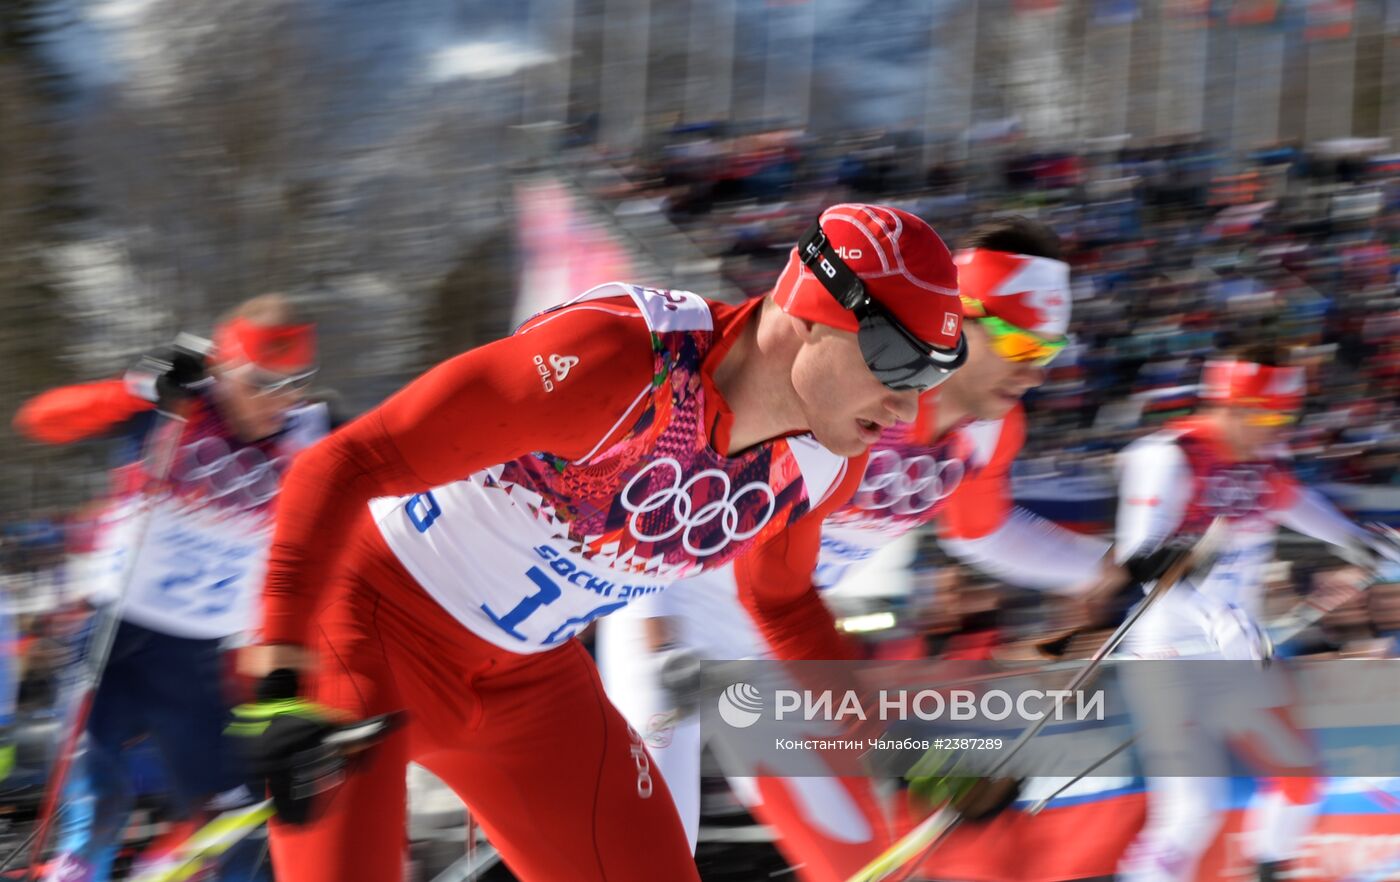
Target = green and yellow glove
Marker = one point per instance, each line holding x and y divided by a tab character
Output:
294	750
935	781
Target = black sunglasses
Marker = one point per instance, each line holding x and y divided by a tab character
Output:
896	357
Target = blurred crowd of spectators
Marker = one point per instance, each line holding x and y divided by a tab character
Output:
31	542
1177	249
34	548
958	613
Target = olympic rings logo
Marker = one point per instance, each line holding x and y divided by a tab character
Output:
721	513
907	486
243	478
1236	492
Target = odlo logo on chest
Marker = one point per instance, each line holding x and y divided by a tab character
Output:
561	365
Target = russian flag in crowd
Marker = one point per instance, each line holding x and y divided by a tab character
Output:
1083	832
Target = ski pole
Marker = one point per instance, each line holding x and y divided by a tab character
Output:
165	442
1039	805
1302	616
1281	630
233	826
210	841
163	445
1199	558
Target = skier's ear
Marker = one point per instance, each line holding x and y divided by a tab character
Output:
804	329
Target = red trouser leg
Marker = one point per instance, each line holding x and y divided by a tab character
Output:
545	762
562	785
827	827
360	829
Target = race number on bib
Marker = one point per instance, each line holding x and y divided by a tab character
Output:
195	575
526	596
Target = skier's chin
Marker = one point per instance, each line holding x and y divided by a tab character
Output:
996	404
849	443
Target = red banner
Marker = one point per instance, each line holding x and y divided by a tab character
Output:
565	251
1329	19
1253	12
1052	846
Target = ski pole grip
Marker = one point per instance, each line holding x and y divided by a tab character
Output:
280	685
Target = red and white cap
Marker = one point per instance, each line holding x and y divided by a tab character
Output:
1246	384
902	263
1031	293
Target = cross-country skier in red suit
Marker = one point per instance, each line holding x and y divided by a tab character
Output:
438	555
951	465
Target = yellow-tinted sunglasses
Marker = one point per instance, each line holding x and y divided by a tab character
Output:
1019	345
1270	418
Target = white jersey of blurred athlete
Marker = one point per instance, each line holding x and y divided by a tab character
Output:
208	528
961	479
1176	482
1173	482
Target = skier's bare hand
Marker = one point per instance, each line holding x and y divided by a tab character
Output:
261	660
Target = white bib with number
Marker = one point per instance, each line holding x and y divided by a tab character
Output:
195	574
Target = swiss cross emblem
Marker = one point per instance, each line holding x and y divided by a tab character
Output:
950	323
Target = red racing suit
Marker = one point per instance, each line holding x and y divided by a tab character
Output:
830	828
962	480
522	490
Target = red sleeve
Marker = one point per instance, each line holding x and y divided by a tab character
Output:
1284	485
982	502
775	584
72	413
482	408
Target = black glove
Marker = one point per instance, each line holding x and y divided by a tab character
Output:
171	376
987	798
293	749
1151	566
975	799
